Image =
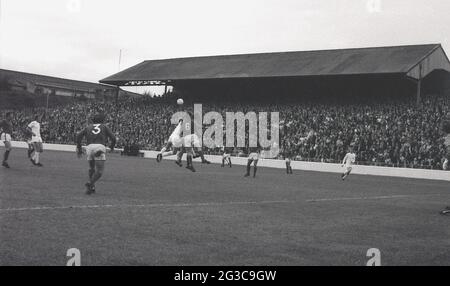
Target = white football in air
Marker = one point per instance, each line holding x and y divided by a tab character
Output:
180	101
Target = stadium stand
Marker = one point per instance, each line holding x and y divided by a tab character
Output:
327	100
398	134
22	82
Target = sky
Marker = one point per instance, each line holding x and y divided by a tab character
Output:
82	39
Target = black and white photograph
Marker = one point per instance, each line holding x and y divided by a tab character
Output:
203	133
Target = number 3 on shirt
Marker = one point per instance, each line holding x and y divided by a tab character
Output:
96	129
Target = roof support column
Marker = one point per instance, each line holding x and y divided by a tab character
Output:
419	85
116	108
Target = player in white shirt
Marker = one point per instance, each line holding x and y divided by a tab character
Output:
173	143
253	157
348	162
190	143
193	149
287	159
36	140
226	156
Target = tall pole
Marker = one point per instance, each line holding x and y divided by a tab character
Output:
120	57
116	99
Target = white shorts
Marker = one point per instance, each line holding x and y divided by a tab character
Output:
191	141
253	156
225	156
287	160
175	141
348	168
92	149
37	143
5	137
36	139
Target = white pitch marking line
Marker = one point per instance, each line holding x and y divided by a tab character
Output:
358	198
143	205
206	203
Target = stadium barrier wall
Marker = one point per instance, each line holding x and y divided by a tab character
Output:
296	165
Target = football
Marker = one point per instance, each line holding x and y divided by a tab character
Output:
180	101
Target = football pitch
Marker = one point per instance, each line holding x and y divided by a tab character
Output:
149	213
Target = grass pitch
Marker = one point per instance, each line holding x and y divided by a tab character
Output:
145	213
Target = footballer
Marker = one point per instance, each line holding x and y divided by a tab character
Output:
35	128
192	148
348	162
287	160
5	136
253	157
226	156
97	135
172	144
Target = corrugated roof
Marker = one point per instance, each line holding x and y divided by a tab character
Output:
380	60
53	81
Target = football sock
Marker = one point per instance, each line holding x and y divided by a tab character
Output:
254	171
179	156
165	154
91	173
200	154
95	177
189	160
6	155
36	157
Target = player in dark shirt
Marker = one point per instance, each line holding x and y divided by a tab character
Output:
96	134
5	136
